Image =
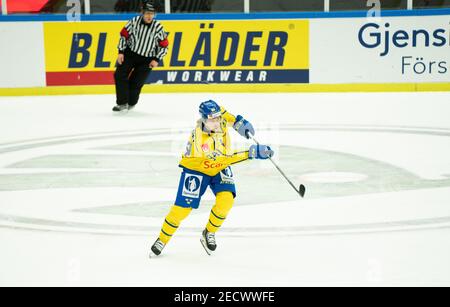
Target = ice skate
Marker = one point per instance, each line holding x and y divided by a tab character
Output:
121	108
208	241
157	248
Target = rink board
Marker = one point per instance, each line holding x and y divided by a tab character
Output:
200	52
383	50
339	52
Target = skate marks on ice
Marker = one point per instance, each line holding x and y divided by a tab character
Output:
124	182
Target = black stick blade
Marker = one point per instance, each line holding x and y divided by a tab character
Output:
302	190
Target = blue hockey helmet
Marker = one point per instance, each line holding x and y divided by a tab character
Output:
209	109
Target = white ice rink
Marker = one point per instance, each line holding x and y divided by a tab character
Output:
83	192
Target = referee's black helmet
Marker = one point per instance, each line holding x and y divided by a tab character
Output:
148	7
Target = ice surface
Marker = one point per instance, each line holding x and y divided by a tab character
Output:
83	192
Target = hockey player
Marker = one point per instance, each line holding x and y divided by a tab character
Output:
207	163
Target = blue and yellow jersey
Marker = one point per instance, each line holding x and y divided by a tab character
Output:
209	153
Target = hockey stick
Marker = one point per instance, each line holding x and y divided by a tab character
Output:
301	189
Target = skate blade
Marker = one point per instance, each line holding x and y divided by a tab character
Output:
122	112
208	251
152	254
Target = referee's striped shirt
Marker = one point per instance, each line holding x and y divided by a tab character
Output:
148	40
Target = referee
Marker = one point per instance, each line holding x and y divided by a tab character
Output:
143	44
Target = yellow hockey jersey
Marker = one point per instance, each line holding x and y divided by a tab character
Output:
210	153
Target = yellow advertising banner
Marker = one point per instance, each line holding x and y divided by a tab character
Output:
213	51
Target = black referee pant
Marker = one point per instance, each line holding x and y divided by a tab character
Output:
130	77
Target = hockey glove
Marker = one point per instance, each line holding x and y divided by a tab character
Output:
243	127
260	152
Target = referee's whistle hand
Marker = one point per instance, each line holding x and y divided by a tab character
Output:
120	59
154	64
